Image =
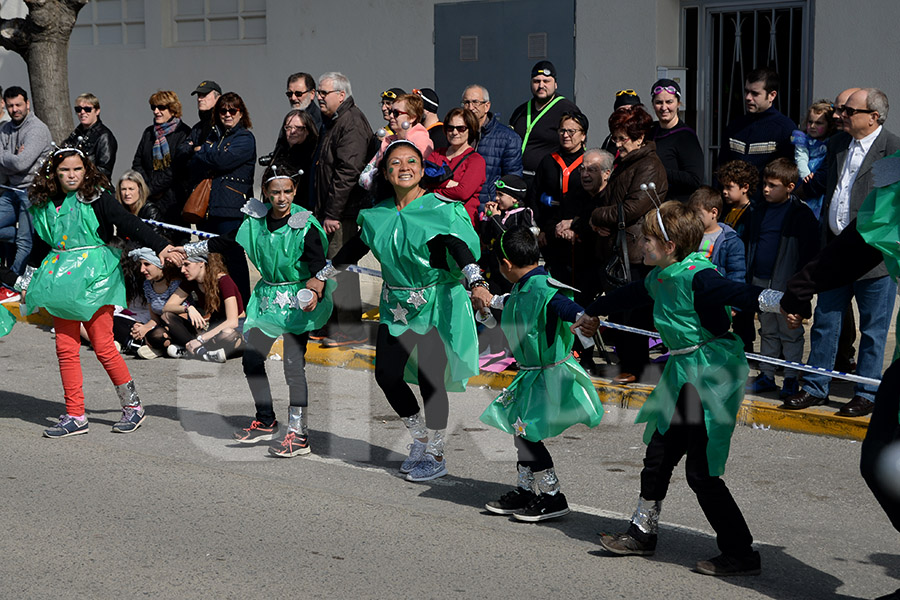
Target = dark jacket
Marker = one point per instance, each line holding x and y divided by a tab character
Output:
342	154
229	157
167	189
728	255
548	179
758	138
680	152
201	130
798	245
98	143
544	137
291	160
501	148
629	172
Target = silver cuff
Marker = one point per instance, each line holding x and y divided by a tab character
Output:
472	272
416	425
297	420
327	272
525	479
24	279
549	483
197	249
770	301
435	443
646	515
498	302
127	394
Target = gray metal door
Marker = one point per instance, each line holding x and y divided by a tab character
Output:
495	44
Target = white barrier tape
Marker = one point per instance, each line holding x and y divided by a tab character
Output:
761	358
20	190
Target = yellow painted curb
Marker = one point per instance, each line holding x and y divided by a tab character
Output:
42	317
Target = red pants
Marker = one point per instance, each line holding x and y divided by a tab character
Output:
68	347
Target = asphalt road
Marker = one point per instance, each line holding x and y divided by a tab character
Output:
176	510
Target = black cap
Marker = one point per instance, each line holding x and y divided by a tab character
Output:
666	83
545	67
392	93
626	98
512	185
206	87
578	117
429	98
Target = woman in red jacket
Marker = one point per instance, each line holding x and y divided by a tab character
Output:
467	167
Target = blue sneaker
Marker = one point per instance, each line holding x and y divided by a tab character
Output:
132	417
427	469
67	426
416	452
791	386
763	383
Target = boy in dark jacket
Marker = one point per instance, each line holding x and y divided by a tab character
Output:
721	244
783	237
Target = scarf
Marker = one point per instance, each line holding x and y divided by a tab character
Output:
161	157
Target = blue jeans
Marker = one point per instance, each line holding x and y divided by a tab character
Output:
13	209
875	299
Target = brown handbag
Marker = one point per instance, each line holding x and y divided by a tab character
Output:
197	203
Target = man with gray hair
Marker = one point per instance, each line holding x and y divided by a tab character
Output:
500	146
849	179
342	154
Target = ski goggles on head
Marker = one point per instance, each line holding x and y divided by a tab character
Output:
500	185
666	88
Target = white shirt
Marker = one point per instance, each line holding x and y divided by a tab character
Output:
839	212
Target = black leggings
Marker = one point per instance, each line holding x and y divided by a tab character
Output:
686	436
254	363
391	354
533	455
884	430
181	331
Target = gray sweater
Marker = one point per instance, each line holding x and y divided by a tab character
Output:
23	148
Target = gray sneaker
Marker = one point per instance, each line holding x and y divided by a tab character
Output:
132	417
427	469
416	452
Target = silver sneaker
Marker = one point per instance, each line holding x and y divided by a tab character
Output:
427	469
416	452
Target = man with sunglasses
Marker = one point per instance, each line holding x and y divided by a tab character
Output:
537	120
849	179
301	93
93	137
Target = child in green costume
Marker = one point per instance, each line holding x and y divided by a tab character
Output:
692	411
551	392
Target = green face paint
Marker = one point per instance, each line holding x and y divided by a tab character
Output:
390	169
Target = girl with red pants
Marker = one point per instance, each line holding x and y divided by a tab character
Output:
76	277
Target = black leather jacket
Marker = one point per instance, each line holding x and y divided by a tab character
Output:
98	143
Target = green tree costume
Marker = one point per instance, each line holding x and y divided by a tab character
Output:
81	274
416	296
717	368
7	320
551	392
273	306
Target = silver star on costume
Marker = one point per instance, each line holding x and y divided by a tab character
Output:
506	398
282	299
417	299
520	427
399	314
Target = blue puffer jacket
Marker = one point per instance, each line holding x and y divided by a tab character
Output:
229	158
501	148
728	255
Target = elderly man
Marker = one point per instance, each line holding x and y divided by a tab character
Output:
340	158
24	142
537	120
849	181
499	145
301	91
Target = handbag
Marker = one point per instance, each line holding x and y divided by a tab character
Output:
197	204
617	272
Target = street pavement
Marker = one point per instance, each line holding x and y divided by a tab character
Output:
177	510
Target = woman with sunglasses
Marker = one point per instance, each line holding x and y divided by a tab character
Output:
93	137
228	157
677	144
160	157
425	245
293	153
464	169
406	116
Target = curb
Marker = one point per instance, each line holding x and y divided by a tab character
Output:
753	413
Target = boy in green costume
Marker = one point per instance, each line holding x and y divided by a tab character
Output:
551	392
692	411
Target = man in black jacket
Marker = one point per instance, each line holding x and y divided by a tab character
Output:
93	137
207	93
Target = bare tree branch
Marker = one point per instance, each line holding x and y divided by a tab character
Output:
14	35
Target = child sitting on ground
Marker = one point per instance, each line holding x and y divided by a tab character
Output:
551	392
693	410
721	244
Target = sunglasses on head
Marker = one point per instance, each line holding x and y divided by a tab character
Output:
626	93
159	107
87	109
230	111
388	95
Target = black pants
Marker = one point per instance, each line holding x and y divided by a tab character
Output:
884	430
254	363
686	437
533	455
391	354
633	349
181	331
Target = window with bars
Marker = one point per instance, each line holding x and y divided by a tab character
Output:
217	21
110	23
